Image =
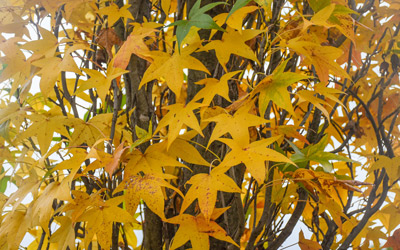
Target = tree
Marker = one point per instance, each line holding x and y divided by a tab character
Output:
203	124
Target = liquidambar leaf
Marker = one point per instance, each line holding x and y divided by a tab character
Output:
197	230
205	188
178	116
147	187
253	155
233	42
305	244
170	67
100	218
197	18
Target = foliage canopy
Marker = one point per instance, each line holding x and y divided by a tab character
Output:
203	124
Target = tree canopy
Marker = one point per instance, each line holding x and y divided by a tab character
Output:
199	124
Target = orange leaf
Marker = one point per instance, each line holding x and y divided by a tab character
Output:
394	240
135	44
113	165
305	244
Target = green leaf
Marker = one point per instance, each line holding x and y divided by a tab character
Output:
4	130
316	153
182	30
196	10
143	136
3	67
239	4
318	5
3	180
204	22
295	148
197	18
3	183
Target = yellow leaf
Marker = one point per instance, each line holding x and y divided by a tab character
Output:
321	57
43	205
65	235
170	67
165	5
130	234
13	23
236	19
235	125
29	185
14	59
213	87
312	97
147	187
390	216
79	203
205	188
321	17
253	155
89	132
46	46
114	13
180	148
392	166
197	230
152	161
100	82
100	218
43	127
13	227
305	244
179	115
51	69
233	42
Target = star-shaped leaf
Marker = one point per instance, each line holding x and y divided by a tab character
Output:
170	67
253	155
50	71
44	47
392	166
197	229
100	218
135	44
236	125
178	116
91	131
148	188
233	42
152	161
321	57
114	13
100	82
274	88
205	188
197	18
214	87
43	127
